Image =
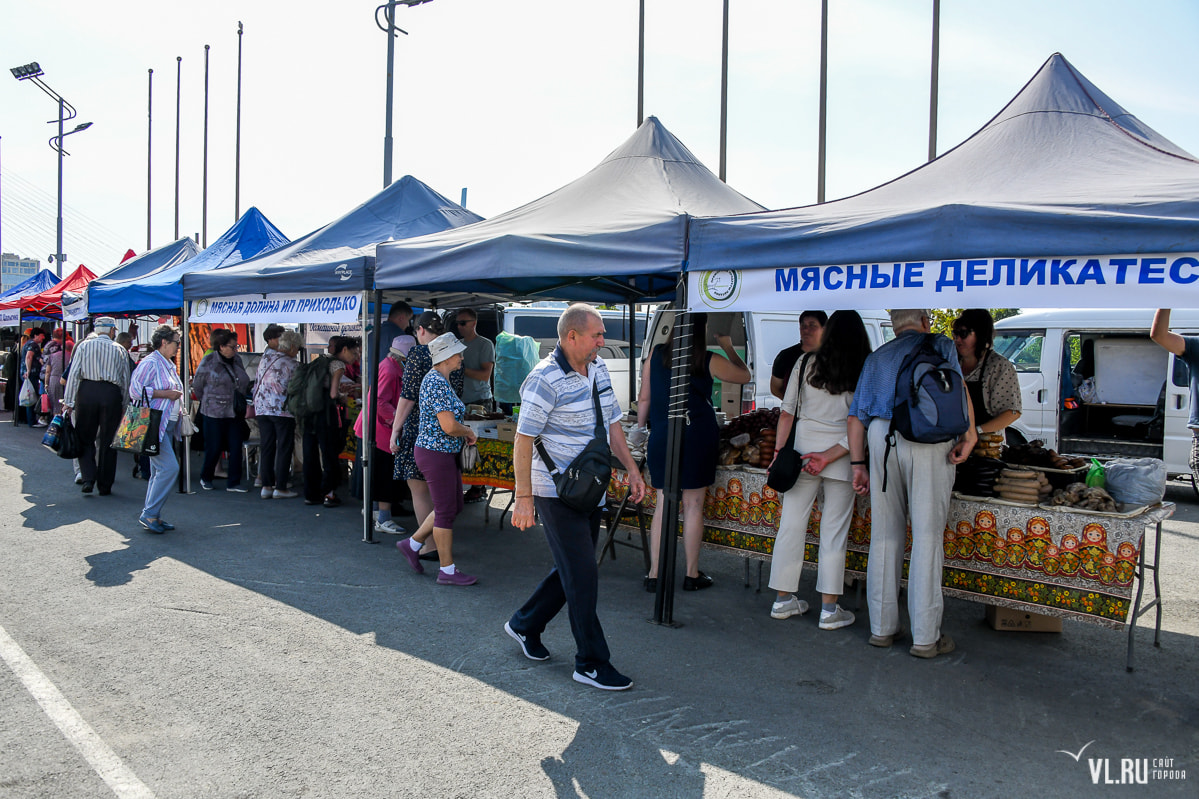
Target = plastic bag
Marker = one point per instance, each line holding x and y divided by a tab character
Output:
515	357
1087	392
1136	481
1095	477
28	395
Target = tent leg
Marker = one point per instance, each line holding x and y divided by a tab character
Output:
671	494
370	380
186	473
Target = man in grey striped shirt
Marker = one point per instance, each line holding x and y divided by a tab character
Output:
556	405
96	394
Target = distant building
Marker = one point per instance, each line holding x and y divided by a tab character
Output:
15	270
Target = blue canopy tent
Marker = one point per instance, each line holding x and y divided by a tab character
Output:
616	234
1062	171
341	255
153	283
35	284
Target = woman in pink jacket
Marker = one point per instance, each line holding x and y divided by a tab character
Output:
385	489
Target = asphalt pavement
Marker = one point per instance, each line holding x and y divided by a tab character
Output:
263	650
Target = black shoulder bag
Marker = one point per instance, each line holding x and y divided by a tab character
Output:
788	463
583	483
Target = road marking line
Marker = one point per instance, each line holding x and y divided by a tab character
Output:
123	782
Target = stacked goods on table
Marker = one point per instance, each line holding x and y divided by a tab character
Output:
1025	486
976	476
990	445
1084	497
749	439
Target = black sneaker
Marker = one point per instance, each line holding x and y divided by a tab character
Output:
603	677
532	647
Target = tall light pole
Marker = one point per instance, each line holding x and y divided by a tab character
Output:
33	72
388	26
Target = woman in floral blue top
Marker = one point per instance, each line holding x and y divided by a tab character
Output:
440	438
406	425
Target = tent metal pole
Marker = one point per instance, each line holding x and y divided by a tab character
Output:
932	91
632	357
186	487
370	390
675	430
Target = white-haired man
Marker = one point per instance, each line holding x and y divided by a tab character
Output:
96	396
557	406
919	483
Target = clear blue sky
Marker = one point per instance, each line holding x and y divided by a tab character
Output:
514	99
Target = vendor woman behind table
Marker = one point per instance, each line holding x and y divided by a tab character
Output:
990	378
699	444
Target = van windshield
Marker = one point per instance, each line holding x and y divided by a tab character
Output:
1021	347
615	329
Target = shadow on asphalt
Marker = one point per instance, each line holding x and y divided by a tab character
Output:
780	703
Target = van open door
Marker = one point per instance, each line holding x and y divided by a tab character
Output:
1176	446
1028	351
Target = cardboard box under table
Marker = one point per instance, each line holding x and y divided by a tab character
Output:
1027	559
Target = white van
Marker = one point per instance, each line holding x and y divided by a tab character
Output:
540	321
1093	383
760	336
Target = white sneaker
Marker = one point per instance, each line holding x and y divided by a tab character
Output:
791	606
835	619
284	494
389	527
204	484
267	492
258	482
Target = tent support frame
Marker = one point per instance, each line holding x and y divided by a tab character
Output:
671	493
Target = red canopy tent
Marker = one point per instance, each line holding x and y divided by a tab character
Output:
50	300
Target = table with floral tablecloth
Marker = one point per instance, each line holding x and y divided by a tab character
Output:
1057	561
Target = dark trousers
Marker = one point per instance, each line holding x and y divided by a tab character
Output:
97	415
222	435
322	442
574	582
278	434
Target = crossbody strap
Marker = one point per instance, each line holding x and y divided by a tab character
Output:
803	364
599	430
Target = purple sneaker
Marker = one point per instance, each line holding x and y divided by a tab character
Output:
457	578
405	547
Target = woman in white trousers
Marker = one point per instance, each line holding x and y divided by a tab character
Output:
817	401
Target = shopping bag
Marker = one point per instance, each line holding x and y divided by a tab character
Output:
28	396
45	403
138	431
69	444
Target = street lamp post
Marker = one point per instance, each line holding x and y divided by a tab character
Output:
389	11
66	111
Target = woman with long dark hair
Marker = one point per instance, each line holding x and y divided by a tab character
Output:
818	396
700	445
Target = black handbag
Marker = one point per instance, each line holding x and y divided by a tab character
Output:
69	445
788	464
583	483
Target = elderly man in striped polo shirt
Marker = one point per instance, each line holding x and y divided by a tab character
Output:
556	405
96	398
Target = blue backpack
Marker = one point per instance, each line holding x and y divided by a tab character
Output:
930	399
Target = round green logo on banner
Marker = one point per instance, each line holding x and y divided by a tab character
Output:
720	287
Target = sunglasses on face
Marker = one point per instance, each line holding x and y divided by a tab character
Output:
962	332
464	322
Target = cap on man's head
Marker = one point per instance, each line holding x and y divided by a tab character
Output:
105	322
